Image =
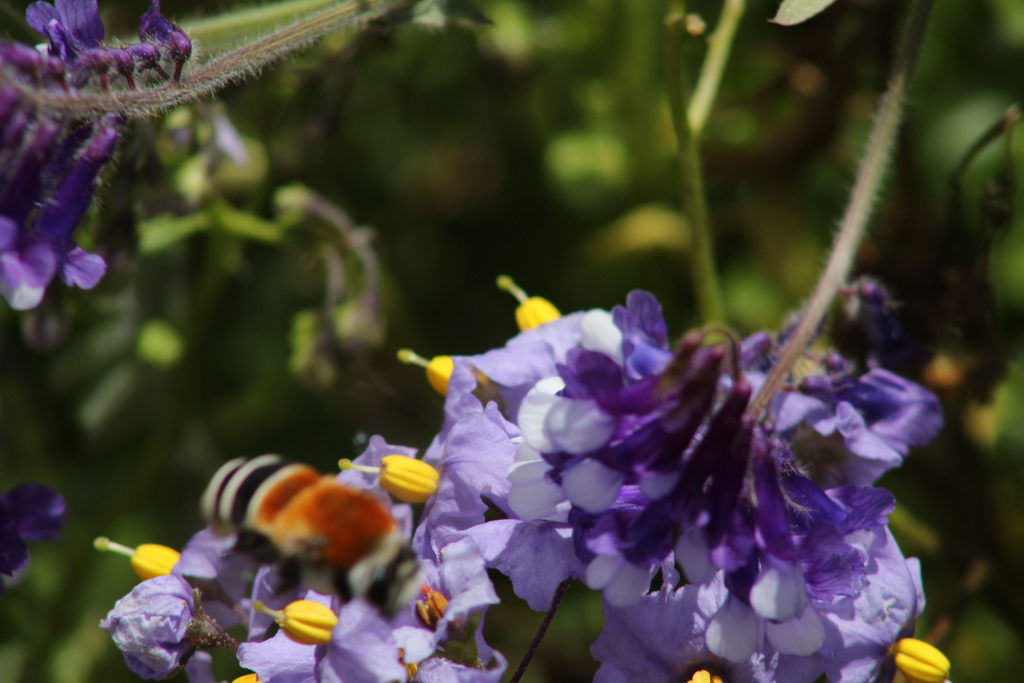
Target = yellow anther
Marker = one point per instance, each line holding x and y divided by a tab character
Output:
430	608
149	560
920	662
407	478
703	676
532	311
439	368
248	678
304	621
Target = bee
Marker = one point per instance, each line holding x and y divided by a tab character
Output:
333	538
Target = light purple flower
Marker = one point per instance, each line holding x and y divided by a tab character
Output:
861	628
362	649
662	640
209	563
279	659
150	626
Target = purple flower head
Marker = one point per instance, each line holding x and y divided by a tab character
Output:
662	639
861	628
30	511
150	626
209	563
879	417
362	649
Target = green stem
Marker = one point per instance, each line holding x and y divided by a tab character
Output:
217	31
719	46
858	211
691	174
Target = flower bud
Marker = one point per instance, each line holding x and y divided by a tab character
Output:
304	621
407	478
920	662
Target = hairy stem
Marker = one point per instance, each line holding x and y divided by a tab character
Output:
691	174
541	630
213	75
862	199
216	32
719	46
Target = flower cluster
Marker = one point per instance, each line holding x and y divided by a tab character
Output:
166	622
50	165
610	456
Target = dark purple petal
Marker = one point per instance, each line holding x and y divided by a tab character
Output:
866	507
9	231
592	375
36	512
60	214
18	197
13	553
39	15
82	19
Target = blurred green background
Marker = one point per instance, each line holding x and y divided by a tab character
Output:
540	146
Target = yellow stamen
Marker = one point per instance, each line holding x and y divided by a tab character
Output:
304	621
920	662
703	676
532	311
403	477
149	560
439	368
407	478
248	678
430	609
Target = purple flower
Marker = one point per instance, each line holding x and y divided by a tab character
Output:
209	563
150	626
879	416
72	26
861	628
30	511
362	649
662	640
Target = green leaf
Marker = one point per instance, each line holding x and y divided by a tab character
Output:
795	11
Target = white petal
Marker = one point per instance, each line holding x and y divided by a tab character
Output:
779	592
599	333
801	636
536	500
532	414
528	472
628	586
577	426
732	632
602	570
659	485
592	486
692	555
525	451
